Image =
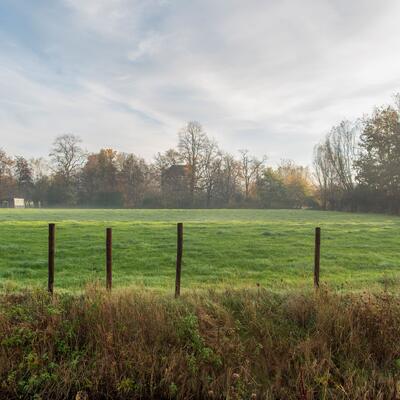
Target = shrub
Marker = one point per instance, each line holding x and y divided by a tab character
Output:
235	344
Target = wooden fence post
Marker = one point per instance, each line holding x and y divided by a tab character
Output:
51	262
317	256
179	251
108	258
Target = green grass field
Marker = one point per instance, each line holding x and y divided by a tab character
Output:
234	248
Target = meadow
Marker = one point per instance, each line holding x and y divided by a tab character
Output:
247	326
273	249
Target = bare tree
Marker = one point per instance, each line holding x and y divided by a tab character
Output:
323	173
67	156
5	164
40	176
211	167
250	168
193	143
341	148
230	178
334	160
40	168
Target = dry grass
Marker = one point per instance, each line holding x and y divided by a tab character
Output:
231	345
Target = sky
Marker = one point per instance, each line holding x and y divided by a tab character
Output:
264	75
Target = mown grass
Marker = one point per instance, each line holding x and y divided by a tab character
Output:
235	248
247	344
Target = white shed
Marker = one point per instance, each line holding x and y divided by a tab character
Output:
18	202
14	202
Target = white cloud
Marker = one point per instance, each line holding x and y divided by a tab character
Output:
264	75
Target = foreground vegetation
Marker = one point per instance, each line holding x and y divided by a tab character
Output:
234	345
235	248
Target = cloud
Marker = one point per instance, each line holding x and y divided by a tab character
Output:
264	75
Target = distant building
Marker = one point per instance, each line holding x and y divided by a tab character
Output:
175	186
14	202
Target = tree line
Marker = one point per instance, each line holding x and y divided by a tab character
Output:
356	167
357	164
195	173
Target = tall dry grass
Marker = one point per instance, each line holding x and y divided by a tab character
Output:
231	345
